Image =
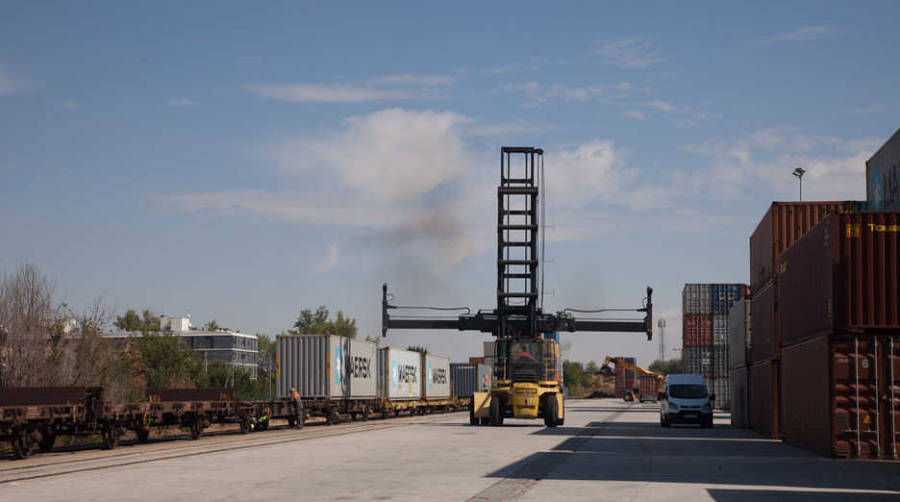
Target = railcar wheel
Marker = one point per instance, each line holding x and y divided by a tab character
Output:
21	447
365	414
110	438
142	435
47	440
196	430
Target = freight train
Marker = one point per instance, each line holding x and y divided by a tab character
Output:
338	379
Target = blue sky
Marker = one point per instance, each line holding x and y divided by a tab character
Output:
241	160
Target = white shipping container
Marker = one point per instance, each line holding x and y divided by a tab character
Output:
720	330
399	373
739	333
706	299
436	381
326	367
690	299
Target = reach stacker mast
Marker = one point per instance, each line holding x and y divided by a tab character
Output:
527	379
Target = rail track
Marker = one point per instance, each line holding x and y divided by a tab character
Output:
63	463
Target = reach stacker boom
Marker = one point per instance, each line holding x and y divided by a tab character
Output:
527	379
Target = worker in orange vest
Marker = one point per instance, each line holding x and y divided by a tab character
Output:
298	408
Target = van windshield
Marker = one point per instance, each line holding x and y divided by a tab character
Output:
687	391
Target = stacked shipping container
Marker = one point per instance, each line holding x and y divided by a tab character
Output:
624	378
840	333
738	352
782	225
705	309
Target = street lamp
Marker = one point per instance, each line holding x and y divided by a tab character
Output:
799	172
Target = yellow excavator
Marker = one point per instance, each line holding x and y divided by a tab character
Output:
630	394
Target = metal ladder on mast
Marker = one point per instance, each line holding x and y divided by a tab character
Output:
517	241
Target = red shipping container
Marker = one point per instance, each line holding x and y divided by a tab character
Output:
764	399
765	342
624	380
781	226
476	360
697	330
842	276
842	395
649	388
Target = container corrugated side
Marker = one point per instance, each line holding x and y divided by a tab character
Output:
463	379
782	225
765	342
436	377
705	361
764	400
400	374
740	399
738	333
720	387
690	299
647	385
697	330
842	395
324	367
843	276
720	330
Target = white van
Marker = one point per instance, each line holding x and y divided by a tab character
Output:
685	400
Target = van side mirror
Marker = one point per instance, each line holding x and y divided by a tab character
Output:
712	397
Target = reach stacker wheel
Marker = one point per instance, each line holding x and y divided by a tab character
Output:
496	413
551	410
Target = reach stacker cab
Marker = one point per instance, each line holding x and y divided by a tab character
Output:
527	384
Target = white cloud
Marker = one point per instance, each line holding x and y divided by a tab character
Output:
607	93
414	79
501	129
801	34
11	83
870	109
590	173
330	259
660	106
763	160
633	114
404	86
318	93
181	101
628	52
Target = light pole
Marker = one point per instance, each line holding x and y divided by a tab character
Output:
662	346
799	172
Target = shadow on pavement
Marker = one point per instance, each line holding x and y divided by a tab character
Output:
646	452
727	495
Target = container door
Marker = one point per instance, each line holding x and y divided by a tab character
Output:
890	395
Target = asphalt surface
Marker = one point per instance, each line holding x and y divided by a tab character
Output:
608	450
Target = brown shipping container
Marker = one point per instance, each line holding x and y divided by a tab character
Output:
764	416
697	330
842	276
740	399
842	395
781	226
764	340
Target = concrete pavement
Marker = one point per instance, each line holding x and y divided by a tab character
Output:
608	450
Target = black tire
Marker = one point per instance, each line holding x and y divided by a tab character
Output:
473	420
484	421
196	430
551	410
47	440
245	425
365	414
496	413
110	439
142	435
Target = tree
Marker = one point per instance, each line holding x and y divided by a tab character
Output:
668	367
211	326
575	378
591	367
131	322
167	362
316	322
417	348
28	319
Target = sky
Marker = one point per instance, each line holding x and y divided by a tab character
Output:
239	161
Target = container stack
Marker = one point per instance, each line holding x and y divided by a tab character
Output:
705	309
738	355
782	225
839	329
624	378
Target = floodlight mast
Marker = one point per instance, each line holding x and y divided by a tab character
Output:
518	314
